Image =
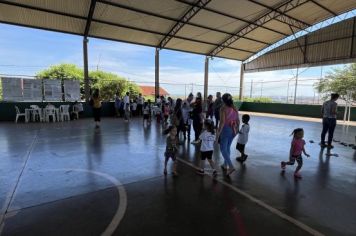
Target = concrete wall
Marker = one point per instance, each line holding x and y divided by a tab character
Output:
291	109
8	113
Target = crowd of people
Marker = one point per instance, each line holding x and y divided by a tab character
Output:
177	116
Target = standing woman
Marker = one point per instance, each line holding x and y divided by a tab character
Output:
228	128
197	117
177	117
96	101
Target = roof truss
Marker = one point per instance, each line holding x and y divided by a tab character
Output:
185	18
282	9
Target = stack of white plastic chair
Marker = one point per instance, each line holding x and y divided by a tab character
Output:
64	112
50	112
19	114
36	113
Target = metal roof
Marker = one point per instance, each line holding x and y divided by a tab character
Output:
233	29
334	44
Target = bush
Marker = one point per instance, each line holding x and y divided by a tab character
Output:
259	100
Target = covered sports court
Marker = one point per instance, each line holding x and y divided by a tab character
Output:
69	179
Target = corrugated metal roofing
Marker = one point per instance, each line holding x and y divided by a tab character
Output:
233	29
334	44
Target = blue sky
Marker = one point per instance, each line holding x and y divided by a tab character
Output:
26	51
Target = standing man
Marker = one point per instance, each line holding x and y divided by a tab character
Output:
140	101
329	113
216	108
127	106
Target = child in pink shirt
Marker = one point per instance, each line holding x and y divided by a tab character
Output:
296	150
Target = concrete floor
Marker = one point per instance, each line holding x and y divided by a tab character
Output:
62	178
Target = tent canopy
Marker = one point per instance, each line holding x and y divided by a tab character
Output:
232	29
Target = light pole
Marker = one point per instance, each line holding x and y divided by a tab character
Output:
288	89
251	88
296	86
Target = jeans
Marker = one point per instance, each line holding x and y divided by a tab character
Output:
226	137
329	125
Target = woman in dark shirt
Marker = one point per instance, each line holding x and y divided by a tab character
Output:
197	117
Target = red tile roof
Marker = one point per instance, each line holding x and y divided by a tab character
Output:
150	90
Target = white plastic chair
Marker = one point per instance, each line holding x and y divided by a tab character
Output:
64	112
36	113
19	114
50	112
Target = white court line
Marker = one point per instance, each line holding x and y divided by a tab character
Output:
120	212
263	204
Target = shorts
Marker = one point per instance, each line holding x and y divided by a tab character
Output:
240	147
146	116
298	158
206	155
171	155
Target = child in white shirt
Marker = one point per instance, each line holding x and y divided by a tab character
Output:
243	138
207	138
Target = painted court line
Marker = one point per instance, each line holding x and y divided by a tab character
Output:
120	212
263	204
12	194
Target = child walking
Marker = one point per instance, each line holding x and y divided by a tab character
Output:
171	149
243	138
146	110
207	138
297	147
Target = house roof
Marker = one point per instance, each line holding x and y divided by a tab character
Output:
233	29
150	90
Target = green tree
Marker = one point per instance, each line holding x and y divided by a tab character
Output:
62	71
339	80
109	84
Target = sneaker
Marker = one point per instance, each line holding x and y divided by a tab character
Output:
200	172
245	157
330	146
283	165
297	175
215	173
239	159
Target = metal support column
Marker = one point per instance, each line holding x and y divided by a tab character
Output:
157	72
296	86
206	78
86	71
241	95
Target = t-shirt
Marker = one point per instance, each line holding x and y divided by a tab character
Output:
171	144
96	102
207	141
140	100
217	104
328	107
126	99
298	145
134	106
146	110
243	134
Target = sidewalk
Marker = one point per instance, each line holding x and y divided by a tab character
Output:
318	120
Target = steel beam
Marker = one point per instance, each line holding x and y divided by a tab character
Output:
242	74
233	17
90	17
288	6
206	78
182	21
86	70
323	7
157	72
282	16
